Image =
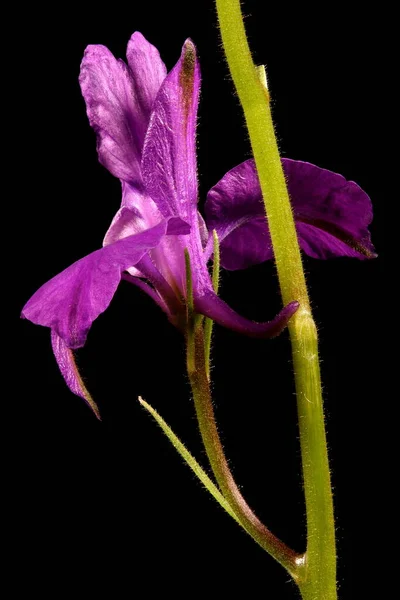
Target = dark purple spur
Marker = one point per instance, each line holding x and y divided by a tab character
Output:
145	121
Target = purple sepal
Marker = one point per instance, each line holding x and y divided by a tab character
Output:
73	299
331	214
119	99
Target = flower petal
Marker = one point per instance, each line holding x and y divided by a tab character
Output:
332	215
203	231
66	361
169	152
234	208
73	299
169	166
149	268
119	101
210	305
108	90
148	73
137	213
127	221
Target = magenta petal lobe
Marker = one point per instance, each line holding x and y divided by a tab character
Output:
73	299
148	72
177	226
119	100
108	90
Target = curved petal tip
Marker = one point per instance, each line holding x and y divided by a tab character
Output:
69	370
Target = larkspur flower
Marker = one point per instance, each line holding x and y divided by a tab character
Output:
145	122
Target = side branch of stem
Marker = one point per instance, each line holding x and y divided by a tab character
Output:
212	443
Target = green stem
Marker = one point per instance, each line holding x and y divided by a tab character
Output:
320	557
208	323
199	381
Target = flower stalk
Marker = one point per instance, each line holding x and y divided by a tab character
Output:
196	363
208	323
319	578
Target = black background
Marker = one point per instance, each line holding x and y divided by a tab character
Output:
109	505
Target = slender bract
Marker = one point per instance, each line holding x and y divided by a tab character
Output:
190	460
319	577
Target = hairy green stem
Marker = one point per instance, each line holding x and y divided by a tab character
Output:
196	367
319	578
208	323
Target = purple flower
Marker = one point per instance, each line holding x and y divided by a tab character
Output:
145	122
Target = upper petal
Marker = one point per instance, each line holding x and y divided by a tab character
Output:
73	299
169	153
148	73
119	101
332	215
137	213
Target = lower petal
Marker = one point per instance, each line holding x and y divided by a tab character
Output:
73	299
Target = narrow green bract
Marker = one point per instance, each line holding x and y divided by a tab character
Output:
190	460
